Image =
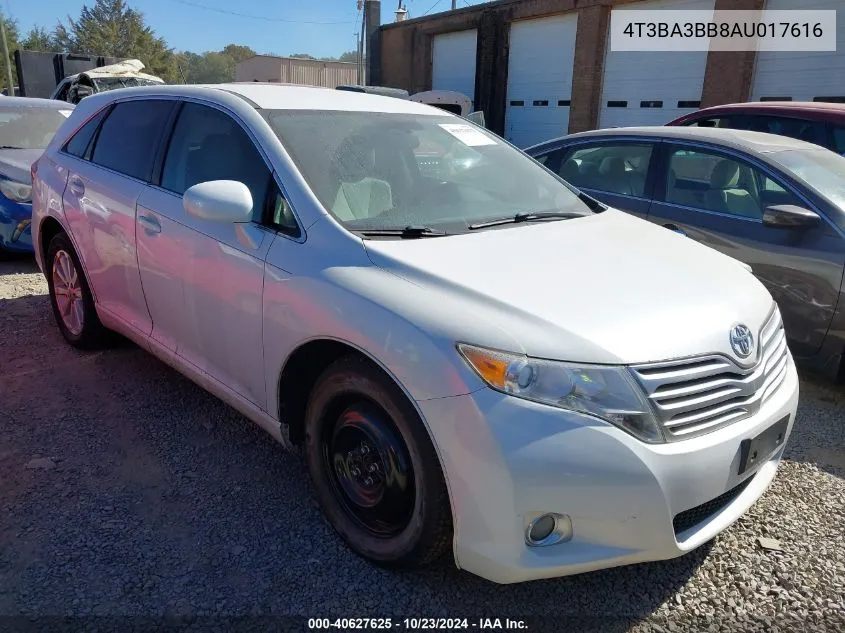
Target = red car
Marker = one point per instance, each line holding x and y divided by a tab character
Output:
821	123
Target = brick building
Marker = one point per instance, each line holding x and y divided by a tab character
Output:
542	68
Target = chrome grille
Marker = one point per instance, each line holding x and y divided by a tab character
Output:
697	395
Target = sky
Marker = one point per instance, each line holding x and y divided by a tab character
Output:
322	28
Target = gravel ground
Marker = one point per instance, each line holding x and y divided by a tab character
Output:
127	491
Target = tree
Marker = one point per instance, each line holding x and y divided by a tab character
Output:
39	39
209	68
238	53
303	56
212	66
112	29
348	56
12	38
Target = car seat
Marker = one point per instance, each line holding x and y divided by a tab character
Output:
724	194
571	172
590	176
359	195
614	176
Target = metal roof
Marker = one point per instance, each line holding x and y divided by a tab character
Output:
758	142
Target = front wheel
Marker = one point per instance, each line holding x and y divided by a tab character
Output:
376	473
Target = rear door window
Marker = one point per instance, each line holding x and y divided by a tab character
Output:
129	138
717	121
838	132
801	129
612	168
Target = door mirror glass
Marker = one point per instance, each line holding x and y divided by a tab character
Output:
82	92
219	201
786	216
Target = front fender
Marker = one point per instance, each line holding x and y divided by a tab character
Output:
300	309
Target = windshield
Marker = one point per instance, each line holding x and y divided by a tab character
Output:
389	171
821	169
29	128
110	83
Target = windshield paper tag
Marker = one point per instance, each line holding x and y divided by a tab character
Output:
65	113
467	135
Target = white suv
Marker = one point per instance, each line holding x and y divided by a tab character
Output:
472	354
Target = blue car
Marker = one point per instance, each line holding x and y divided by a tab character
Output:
26	127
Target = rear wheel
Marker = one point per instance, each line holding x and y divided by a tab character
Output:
70	296
376	473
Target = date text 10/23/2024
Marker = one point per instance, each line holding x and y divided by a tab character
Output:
429	624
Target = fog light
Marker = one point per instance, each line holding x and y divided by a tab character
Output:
548	529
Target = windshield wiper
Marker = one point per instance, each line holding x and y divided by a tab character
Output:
409	232
525	216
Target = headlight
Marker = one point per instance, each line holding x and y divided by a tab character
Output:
16	191
602	391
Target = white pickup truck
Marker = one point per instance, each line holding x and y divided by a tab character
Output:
121	75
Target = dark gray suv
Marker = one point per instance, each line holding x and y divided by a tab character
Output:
773	202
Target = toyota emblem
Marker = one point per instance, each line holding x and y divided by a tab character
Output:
742	340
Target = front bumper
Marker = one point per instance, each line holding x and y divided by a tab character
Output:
507	461
16	227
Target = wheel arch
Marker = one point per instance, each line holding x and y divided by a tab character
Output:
49	227
299	375
303	367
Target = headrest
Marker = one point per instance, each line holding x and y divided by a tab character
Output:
612	166
725	175
355	159
570	170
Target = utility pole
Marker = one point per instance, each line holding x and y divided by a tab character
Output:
454	4
8	64
372	42
360	43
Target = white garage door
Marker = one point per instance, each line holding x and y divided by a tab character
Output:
453	62
802	76
652	88
540	64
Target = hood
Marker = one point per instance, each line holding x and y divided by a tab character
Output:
126	68
15	163
607	288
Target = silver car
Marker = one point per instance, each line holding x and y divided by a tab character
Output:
474	358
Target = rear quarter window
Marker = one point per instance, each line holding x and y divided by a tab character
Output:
81	140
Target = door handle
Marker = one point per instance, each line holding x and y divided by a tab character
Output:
77	187
675	228
150	223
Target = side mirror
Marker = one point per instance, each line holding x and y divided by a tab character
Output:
789	216
83	91
219	201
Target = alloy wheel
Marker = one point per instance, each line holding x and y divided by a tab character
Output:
67	288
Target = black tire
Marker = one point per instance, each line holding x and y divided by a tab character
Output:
421	536
92	334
